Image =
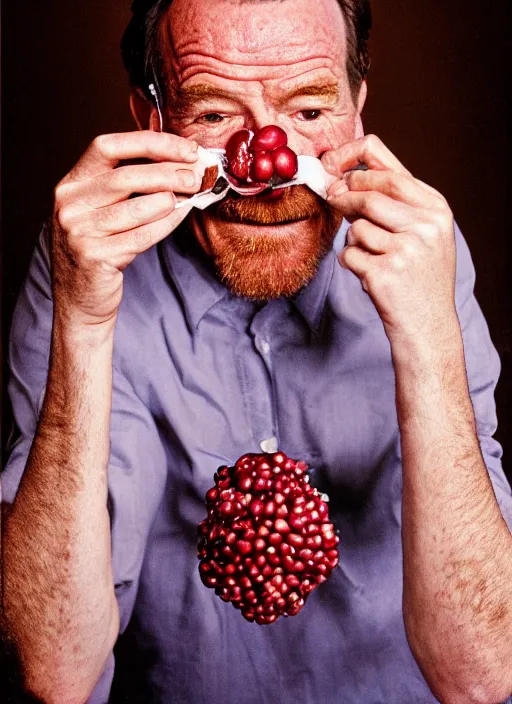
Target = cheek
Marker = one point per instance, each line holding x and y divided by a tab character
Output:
331	134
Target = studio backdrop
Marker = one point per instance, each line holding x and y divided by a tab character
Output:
436	98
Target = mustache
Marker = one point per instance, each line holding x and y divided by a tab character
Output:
296	203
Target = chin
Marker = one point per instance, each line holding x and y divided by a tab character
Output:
263	262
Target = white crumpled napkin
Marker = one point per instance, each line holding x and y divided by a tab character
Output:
310	173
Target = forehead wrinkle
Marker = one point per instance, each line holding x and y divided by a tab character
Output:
201	47
212	65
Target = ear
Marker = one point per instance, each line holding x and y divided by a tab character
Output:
361	100
144	112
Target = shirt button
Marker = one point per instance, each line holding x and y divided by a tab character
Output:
265	347
269	445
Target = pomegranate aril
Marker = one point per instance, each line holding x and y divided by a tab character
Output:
296	540
275	538
270	508
256	507
262	167
281	526
212	494
269	137
285	163
244	547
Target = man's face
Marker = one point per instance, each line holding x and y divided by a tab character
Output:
235	65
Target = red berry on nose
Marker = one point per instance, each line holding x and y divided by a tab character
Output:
265	564
260	157
262	168
268	138
285	163
238	155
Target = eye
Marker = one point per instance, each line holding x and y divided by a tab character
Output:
310	114
211	117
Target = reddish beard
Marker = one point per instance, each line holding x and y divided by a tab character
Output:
263	266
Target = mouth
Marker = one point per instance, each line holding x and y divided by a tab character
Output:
254	222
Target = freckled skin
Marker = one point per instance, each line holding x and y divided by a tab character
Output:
259	52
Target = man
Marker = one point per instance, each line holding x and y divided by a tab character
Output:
143	362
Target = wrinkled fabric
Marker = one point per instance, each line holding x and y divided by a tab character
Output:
200	378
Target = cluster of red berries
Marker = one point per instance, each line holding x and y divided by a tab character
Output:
261	157
267	541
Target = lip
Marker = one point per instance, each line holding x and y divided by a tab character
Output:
275	229
257	223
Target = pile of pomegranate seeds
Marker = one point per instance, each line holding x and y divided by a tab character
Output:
261	157
267	541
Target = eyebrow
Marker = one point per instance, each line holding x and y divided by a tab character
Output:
187	98
325	89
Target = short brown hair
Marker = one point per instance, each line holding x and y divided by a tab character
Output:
140	45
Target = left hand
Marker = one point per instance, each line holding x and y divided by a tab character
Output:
401	242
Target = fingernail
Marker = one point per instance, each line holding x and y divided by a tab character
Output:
187	178
328	163
190	151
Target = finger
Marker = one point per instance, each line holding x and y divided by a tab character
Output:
108	150
128	215
382	210
357	261
365	235
119	184
121	249
395	185
369	150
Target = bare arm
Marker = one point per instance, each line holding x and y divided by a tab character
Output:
457	548
58	589
59	602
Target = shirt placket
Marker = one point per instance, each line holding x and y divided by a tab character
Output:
264	321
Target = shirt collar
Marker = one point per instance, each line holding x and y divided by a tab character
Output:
200	289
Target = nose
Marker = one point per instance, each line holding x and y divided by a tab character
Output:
260	117
267	116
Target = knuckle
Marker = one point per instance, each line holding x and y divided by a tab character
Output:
370	281
410	248
429	230
102	144
166	201
394	185
123	180
443	218
65	216
137	207
140	239
370	203
370	143
397	262
60	195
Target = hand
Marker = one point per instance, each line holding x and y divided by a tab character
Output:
98	229
401	241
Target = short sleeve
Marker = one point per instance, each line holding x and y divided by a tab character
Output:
137	465
483	369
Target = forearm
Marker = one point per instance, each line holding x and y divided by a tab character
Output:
59	601
457	547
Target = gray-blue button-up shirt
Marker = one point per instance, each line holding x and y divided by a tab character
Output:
201	377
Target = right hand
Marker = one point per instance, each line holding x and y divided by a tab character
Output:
98	229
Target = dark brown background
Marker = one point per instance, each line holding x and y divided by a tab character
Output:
437	98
